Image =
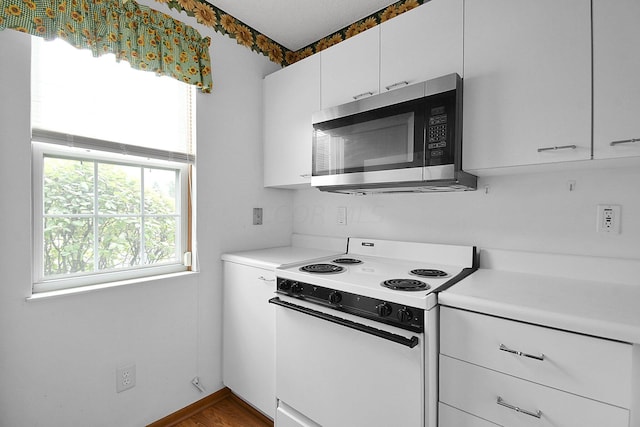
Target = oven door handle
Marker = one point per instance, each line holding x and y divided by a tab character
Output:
408	342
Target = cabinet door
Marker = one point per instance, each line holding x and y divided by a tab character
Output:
248	350
616	67
527	86
350	70
421	44
291	96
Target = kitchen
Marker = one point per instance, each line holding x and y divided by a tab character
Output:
59	354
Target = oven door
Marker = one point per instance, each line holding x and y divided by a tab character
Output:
341	370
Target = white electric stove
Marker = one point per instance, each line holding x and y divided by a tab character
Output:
356	335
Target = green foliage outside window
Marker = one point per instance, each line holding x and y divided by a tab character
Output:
126	218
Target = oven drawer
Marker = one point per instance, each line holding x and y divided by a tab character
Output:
510	401
587	366
449	416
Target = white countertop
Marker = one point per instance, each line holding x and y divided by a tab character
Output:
272	258
303	248
598	307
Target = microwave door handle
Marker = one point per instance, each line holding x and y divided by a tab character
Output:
408	342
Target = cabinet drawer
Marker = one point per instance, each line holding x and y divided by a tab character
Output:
587	366
477	390
452	417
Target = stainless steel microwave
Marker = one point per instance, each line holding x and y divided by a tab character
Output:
405	140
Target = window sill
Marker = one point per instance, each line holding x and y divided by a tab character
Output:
91	288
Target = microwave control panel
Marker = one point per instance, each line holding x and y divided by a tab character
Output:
438	144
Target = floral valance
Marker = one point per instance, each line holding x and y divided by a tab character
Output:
211	16
146	38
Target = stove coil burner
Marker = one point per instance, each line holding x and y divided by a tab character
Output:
322	268
347	261
427	272
405	285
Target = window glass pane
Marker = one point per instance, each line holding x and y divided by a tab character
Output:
119	243
119	189
68	245
68	186
160	239
160	191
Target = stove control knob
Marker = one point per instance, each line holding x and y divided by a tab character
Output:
296	288
405	315
284	285
335	297
383	309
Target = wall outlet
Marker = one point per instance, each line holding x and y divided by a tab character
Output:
125	378
608	219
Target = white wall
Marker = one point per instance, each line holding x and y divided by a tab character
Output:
533	212
58	356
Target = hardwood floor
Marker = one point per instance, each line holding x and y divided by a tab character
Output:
226	413
221	409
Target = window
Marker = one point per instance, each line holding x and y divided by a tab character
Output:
112	152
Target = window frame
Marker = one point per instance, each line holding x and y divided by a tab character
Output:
40	150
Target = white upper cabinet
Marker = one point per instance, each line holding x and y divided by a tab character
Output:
527	82
421	44
616	85
291	96
350	69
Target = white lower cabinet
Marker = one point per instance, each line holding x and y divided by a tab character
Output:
517	374
248	350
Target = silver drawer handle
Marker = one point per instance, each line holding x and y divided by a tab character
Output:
624	141
362	95
402	83
264	279
519	353
305	175
501	402
556	148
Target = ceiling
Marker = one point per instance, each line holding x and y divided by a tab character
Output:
297	23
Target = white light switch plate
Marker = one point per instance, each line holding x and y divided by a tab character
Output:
342	216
